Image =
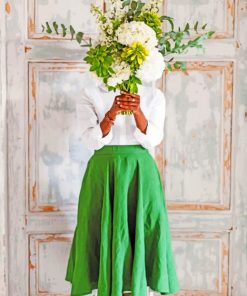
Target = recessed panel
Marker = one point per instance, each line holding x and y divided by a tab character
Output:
202	262
49	255
57	158
197	146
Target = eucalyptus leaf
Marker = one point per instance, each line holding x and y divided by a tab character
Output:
64	30
79	36
196	26
72	31
169	19
48	28
55	26
187	27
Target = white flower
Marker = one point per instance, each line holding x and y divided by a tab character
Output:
115	10
122	72
152	68
152	5
127	33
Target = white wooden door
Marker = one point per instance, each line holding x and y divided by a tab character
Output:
202	159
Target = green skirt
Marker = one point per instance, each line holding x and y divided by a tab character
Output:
122	240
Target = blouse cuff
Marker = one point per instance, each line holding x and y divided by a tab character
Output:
152	137
99	136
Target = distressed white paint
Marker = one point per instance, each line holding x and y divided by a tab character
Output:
205	241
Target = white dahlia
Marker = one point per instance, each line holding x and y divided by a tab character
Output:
127	33
152	68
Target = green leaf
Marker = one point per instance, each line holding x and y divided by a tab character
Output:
130	12
210	33
79	36
196	26
64	29
72	31
169	67
137	13
204	26
126	2
169	19
48	28
43	28
133	5
187	27
162	40
183	66
177	65
140	5
55	26
111	70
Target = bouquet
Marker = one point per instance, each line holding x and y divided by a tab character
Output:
131	46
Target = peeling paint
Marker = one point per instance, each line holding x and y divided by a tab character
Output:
33	84
7	7
34	190
27	49
48	208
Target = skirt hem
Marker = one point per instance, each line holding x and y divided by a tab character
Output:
126	290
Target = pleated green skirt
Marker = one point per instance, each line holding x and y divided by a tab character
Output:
122	240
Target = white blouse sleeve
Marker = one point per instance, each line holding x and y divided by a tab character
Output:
155	129
90	131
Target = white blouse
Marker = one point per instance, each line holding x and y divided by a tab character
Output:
96	100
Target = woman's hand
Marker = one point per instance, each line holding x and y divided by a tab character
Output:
128	101
125	101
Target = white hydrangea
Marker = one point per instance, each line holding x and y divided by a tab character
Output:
127	33
122	72
152	68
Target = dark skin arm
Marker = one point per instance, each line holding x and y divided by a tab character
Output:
125	101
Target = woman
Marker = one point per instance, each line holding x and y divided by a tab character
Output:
122	240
